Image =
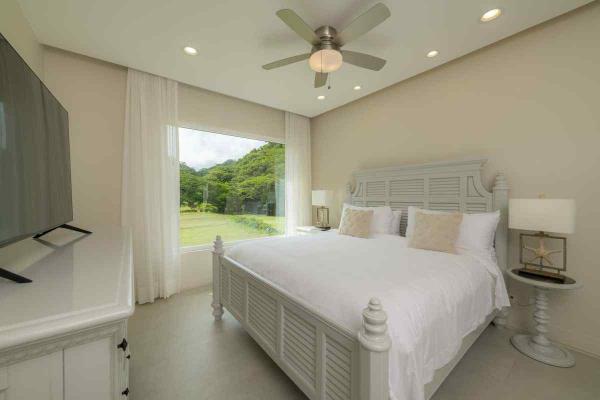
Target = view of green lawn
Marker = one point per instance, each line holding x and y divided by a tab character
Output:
198	228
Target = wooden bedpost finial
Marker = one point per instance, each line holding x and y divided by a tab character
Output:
375	344
217	303
218	245
373	335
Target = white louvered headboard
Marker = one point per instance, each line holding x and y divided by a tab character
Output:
444	186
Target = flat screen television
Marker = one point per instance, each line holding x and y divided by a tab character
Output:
35	169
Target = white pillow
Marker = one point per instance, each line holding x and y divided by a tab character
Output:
382	217
396	217
477	231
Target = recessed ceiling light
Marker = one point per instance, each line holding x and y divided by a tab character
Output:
357	87
190	51
321	97
491	14
432	53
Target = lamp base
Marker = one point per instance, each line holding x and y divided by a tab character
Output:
323	218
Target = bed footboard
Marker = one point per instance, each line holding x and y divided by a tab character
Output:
325	361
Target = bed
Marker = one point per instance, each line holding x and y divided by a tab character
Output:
301	298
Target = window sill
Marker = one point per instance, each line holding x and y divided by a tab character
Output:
209	246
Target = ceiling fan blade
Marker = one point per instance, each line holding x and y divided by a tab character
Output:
363	60
320	79
291	19
286	61
363	24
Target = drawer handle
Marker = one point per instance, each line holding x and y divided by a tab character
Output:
125	392
123	345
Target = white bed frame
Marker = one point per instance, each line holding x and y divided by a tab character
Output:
325	360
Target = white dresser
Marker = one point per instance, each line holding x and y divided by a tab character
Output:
64	336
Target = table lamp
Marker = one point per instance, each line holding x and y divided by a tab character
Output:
322	199
542	215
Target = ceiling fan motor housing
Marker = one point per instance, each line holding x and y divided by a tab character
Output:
327	35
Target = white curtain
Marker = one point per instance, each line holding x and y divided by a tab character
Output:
150	195
298	208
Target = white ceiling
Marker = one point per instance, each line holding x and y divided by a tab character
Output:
234	38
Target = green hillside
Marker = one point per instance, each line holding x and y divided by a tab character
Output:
248	185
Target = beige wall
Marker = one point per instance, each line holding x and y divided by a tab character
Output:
93	92
16	29
203	109
531	105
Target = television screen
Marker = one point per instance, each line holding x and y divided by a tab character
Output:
35	172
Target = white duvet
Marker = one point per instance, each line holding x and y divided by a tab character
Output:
432	299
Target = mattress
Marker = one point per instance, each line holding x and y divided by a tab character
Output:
433	300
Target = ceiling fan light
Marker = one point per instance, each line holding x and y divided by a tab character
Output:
325	61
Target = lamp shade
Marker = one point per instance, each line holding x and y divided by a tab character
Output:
546	215
322	198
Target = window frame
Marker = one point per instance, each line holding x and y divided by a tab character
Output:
219	131
209	246
229	132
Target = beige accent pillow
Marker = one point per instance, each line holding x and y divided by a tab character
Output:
437	232
356	223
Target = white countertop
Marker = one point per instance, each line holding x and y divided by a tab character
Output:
78	282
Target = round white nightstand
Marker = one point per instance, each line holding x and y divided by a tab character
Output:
538	346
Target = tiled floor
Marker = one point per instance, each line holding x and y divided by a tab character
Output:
180	353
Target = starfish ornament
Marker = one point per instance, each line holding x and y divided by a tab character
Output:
542	253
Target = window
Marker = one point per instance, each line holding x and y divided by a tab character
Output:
229	186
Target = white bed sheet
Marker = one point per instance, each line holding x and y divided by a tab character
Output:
432	299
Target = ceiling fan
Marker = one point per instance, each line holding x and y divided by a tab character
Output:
326	55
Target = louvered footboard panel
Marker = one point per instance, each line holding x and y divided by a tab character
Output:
224	285
237	295
321	359
262	315
300	346
338	370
